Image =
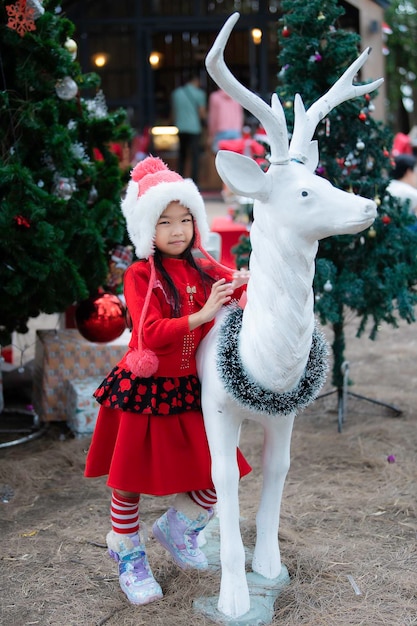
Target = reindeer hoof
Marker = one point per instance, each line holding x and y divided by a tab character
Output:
263	594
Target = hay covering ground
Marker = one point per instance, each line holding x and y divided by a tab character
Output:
348	522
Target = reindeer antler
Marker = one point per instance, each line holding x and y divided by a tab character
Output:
306	122
271	117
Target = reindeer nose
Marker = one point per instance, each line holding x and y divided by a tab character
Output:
371	208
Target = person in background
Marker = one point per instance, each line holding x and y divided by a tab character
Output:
189	112
404	180
224	120
150	436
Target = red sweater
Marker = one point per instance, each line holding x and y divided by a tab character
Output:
170	338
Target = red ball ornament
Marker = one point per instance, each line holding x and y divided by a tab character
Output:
362	116
285	31
101	318
385	219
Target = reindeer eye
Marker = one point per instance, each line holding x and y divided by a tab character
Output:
304	193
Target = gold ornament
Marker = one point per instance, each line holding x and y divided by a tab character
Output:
321	16
71	46
377	200
372	232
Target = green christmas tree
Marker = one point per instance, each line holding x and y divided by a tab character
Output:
60	181
372	274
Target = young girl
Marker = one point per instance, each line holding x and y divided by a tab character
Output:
150	436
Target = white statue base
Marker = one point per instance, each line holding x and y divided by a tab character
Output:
263	591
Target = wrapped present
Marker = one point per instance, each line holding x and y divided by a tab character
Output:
82	408
64	355
120	259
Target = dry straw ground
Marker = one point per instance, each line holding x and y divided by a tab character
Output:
348	524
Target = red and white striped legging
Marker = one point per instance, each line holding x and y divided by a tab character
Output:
124	511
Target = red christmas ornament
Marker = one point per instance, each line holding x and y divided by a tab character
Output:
22	221
285	31
101	318
385	219
367	97
362	116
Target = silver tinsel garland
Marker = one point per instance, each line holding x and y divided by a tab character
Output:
248	392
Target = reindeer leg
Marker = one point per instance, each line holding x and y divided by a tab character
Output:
275	464
223	429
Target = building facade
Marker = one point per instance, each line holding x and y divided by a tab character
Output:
143	49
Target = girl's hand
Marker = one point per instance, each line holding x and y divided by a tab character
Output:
240	278
221	293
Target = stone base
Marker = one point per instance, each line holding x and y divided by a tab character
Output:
263	591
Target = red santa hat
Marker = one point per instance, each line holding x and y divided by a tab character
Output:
151	188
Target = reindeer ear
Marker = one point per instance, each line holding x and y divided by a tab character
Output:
312	155
242	175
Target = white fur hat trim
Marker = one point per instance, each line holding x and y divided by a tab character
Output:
142	212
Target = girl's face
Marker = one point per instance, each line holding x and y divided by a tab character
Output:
174	230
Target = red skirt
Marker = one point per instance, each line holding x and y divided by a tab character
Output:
152	454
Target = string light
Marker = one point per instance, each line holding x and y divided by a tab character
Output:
256	35
155	59
100	59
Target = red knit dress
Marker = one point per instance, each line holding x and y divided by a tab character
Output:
150	436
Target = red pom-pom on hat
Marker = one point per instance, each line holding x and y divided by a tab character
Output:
150	165
151	172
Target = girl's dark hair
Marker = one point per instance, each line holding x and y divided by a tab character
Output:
207	280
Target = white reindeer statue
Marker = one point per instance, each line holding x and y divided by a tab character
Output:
268	361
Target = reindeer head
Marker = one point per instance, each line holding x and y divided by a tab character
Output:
317	209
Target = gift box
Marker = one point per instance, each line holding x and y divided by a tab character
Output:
64	355
82	407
